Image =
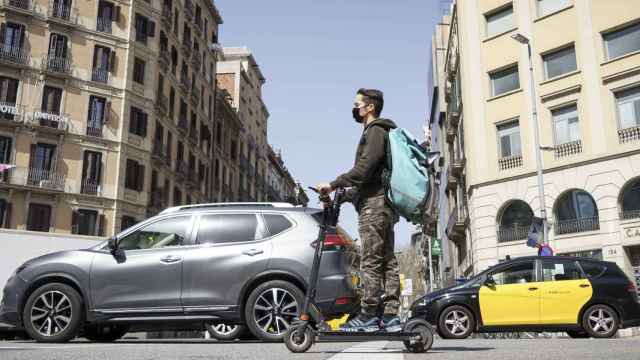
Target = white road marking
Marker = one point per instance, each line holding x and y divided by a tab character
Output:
374	350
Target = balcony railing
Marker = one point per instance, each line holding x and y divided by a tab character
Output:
90	187
187	46
23	6
196	61
162	104
181	169
57	64
94	131
510	162
50	121
159	151
62	12
568	149
630	214
14	55
45	179
457	223
100	75
629	134
188	10
513	232
10	112
457	165
167	17
164	59
185	83
104	25
577	225
183	126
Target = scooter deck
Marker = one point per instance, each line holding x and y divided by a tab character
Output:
349	336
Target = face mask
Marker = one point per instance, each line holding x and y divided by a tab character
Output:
356	115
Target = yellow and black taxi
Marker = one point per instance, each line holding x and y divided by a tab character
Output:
583	297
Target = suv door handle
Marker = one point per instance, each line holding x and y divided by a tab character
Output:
585	285
169	259
252	252
533	288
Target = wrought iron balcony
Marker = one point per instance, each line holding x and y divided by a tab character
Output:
90	187
187	46
167	17
45	179
627	214
14	55
11	114
104	25
50	121
24	7
162	104
188	10
513	232
159	152
185	83
94	131
164	59
577	225
57	65
100	75
62	13
183	126
457	224
457	165
452	181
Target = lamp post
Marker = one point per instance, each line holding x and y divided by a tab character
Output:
536	131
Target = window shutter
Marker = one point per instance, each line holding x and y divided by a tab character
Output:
74	222
101	224
21	35
32	156
85	165
98	165
133	120
52	44
3	29
107	112
143	124
140	177
151	28
116	14
7	215
112	60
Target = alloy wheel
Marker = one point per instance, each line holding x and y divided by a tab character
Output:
224	329
457	322
51	313
274	310
601	321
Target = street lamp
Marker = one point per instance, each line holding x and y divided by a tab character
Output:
534	112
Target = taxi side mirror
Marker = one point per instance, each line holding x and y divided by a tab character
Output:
489	281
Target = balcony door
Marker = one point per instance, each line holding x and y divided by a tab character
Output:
91	172
39	218
41	162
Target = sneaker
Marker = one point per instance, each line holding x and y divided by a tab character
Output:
362	322
391	323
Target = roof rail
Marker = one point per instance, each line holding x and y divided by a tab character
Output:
228	204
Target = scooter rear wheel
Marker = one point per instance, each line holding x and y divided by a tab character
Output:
299	343
426	336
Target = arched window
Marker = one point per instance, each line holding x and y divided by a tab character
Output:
576	211
630	200
514	222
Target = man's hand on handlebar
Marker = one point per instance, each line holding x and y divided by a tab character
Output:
324	188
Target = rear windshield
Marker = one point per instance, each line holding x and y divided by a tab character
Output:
277	224
593	269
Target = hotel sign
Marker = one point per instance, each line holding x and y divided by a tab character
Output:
13	110
632	233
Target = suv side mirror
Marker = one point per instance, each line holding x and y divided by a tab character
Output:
113	244
489	281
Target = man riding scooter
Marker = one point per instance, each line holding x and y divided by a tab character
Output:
376	218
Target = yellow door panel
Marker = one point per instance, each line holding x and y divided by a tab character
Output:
561	301
511	304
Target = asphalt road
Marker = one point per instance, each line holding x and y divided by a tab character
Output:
557	349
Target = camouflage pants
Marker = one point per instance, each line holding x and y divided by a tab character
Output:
378	264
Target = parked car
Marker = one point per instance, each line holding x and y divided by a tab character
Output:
583	297
186	268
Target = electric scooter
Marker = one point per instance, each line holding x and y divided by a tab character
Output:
311	327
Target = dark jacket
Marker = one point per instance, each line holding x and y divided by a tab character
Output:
371	157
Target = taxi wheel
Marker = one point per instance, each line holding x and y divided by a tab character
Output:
578	334
456	322
600	321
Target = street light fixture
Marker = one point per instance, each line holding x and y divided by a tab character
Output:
536	131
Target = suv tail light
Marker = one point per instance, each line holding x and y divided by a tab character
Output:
632	288
334	241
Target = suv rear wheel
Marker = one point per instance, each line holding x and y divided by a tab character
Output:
600	321
271	308
53	313
226	332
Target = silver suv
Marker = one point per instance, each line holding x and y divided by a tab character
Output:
189	267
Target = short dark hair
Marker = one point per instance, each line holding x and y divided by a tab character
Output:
373	96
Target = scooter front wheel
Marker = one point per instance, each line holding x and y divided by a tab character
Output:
424	330
298	341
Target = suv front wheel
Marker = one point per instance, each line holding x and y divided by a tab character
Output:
53	313
271	308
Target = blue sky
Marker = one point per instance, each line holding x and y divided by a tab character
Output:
315	55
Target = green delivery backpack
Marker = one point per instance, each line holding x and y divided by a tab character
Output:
409	177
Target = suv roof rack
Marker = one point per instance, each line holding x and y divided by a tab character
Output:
228	204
